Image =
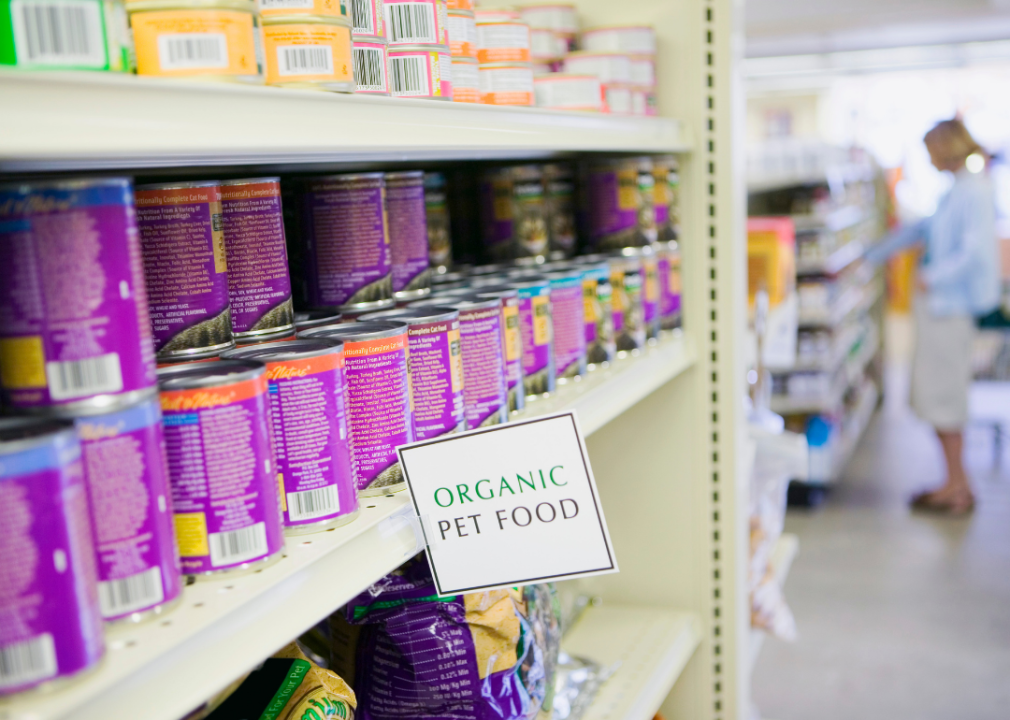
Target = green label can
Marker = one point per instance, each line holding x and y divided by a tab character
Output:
64	35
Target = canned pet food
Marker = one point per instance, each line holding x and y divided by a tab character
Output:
460	5
408	235
568	319
499	14
465	80
506	84
609	67
547	45
308	415
208	39
668	260
626	301
57	35
370	66
436	368
537	336
185	263
462	34
559	17
561	91
485	389
312	8
513	212
307	53
131	513
503	42
643	70
436	213
306	320
512	341
72	254
619	212
559	181
599	328
618	98
221	465
52	628
633	39
259	285
650	291
416	22
348	259
378	393
265	338
420	72
368	19
666	191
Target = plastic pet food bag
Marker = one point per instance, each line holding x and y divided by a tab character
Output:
480	656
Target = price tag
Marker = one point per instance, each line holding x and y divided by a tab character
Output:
508	505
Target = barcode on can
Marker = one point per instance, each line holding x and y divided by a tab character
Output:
412	22
409	75
129	594
228	548
27	661
286	4
370	69
70	379
193	51
60	32
311	504
304	60
361	17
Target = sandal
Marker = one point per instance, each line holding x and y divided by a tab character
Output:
952	507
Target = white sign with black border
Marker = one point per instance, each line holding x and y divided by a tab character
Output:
508	505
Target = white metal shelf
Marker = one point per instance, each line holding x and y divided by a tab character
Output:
786	548
162	669
83	120
649	646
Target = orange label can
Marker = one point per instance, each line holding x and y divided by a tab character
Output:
503	42
506	84
286	8
460	5
465	80
462	34
309	54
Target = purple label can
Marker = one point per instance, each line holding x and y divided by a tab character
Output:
650	291
485	390
559	181
513	212
599	328
50	626
668	262
408	234
221	465
378	395
347	252
436	368
259	285
512	342
74	328
620	204
665	170
626	284
436	211
131	513
537	336
568	318
186	267
308	414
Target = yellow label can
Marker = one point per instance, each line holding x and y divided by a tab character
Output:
313	53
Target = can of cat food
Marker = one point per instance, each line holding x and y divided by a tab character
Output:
650	291
308	319
665	190
559	185
547	46
503	42
370	65
416	22
308	415
496	14
436	367
52	627
424	72
559	17
631	39
609	67
568	319
642	70
309	52
599	328
267	338
203	39
259	284
367	19
185	264
506	84
225	494
346	241
620	207
436	214
539	374
408	235
309	8
462	34
126	475
562	91
485	388
512	341
378	393
465	80
460	5
513	212
619	98
72	253
626	302
668	261
57	35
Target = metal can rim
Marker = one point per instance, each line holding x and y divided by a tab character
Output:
188	376
339	20
50	430
133	6
399	176
65	184
249	181
441	49
354	331
346	177
179	185
415	315
369	40
275	352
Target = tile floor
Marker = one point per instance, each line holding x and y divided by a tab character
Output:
900	616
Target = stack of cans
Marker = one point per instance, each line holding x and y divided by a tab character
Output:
613	70
503	54
419	61
370	48
463	46
553	29
634	92
307	44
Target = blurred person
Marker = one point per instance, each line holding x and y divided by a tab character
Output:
957	281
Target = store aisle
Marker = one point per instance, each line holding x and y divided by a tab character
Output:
900	616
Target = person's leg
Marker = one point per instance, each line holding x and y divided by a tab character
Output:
956	487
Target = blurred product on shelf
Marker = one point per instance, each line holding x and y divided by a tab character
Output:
367	18
375	357
416	22
626	301
539	372
632	39
408	234
666	174
485	387
462	34
465	80
547	46
310	9
568	320
669	284
559	186
316	318
513	212
503	42
512	341
650	290
484	13
309	52
506	84
617	203
126	473
221	465
771	258
562	91
460	5
198	39
436	212
56	35
53	628
609	67
370	65
423	71
557	17
308	423
599	327
66	287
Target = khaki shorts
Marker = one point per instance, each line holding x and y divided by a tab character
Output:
941	367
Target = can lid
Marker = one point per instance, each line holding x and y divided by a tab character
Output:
342	20
576	54
360	331
209	374
179	185
348	178
497	291
410	177
417	314
489	269
23	433
369	40
143	5
474	302
441	49
69	185
286	350
315	318
249	181
556	77
464	60
460	13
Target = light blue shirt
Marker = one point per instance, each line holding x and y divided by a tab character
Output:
961	263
